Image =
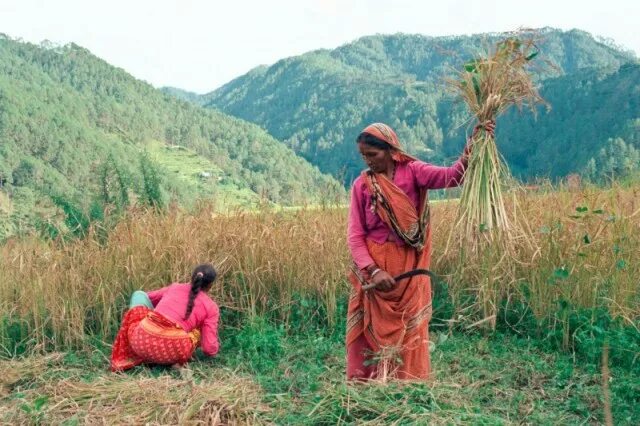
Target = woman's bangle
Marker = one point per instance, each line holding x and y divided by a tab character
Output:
375	271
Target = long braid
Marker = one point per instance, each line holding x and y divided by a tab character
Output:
195	289
202	277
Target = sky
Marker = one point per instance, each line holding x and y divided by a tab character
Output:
199	45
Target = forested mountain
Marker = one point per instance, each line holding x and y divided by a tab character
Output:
593	128
185	95
318	102
78	135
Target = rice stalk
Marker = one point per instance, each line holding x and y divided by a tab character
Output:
489	86
66	296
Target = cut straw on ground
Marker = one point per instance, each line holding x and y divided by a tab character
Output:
52	393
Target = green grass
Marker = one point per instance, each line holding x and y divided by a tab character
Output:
27	211
501	379
184	167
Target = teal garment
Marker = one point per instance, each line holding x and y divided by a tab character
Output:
140	298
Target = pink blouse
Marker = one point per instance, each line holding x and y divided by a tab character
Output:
363	224
171	302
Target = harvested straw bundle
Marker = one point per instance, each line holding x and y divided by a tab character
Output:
489	86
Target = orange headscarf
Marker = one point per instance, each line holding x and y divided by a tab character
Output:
386	133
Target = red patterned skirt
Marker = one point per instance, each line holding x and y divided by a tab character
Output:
148	337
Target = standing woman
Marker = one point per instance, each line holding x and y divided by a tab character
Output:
388	234
165	326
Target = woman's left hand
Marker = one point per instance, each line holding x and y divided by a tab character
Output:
489	126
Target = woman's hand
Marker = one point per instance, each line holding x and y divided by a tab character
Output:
383	281
489	126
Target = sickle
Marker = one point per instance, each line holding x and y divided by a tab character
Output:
407	274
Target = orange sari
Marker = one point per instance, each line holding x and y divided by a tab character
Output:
392	325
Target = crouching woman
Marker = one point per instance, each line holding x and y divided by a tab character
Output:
165	326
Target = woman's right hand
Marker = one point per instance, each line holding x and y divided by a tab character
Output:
383	281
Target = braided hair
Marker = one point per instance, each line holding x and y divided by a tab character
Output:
201	279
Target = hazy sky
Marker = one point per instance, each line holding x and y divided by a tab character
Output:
199	45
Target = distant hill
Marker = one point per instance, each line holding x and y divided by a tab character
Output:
318	102
78	136
593	128
185	95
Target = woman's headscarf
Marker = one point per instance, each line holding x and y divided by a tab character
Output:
386	134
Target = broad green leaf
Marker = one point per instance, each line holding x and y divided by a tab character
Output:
39	402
